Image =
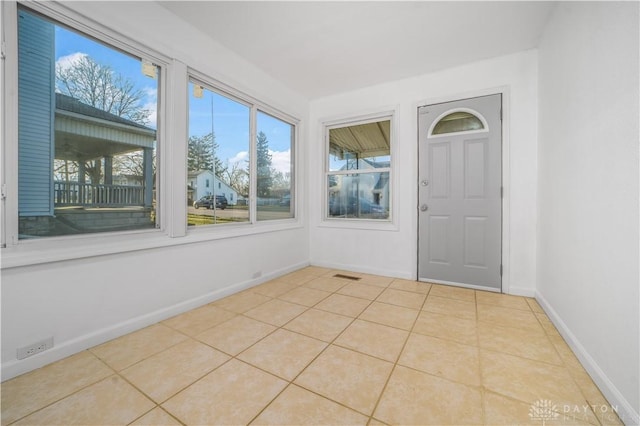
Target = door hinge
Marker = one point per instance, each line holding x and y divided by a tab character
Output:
502	192
500	113
3	192
500	269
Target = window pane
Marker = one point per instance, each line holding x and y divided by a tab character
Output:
359	195
457	122
361	146
275	168
87	134
217	159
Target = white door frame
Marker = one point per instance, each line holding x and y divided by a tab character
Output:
506	172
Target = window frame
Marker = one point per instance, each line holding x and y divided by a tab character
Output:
293	206
390	223
473	112
255	106
172	127
61	16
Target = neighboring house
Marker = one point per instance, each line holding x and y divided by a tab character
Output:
54	127
372	187
84	133
203	183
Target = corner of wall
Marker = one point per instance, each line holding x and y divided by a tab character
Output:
622	406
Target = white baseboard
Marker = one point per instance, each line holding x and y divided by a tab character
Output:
62	350
365	270
521	291
625	410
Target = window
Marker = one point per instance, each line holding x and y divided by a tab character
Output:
87	133
219	132
81	164
220	146
274	144
458	121
358	170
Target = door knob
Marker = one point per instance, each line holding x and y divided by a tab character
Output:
424	208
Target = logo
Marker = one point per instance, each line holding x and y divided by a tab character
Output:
543	410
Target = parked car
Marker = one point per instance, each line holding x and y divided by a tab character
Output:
338	207
207	202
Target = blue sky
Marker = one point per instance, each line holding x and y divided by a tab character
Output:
231	126
230	118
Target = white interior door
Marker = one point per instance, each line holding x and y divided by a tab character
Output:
460	193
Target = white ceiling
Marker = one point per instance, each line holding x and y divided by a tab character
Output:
322	48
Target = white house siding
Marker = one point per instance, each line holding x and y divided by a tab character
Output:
198	182
367	185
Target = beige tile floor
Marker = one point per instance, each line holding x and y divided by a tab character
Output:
309	348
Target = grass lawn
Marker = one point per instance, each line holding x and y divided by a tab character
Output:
197	219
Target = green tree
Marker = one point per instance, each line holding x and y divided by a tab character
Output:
265	179
201	155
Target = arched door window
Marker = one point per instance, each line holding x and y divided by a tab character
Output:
457	121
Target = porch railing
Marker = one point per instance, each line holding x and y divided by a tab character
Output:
97	195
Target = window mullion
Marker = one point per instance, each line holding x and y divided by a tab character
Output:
359	171
174	163
10	129
253	165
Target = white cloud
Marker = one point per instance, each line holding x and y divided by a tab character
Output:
152	107
281	160
241	156
65	62
151	92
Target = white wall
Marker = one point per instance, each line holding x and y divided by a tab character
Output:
588	190
395	252
87	301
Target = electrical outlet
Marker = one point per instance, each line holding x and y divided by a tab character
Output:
35	348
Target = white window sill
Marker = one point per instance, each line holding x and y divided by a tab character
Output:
48	250
365	224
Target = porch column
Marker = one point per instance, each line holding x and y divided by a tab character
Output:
81	181
148	176
108	170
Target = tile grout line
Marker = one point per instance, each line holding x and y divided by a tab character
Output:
546	333
235	357
483	388
72	393
115	372
565	365
395	364
231	357
332	343
291	382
